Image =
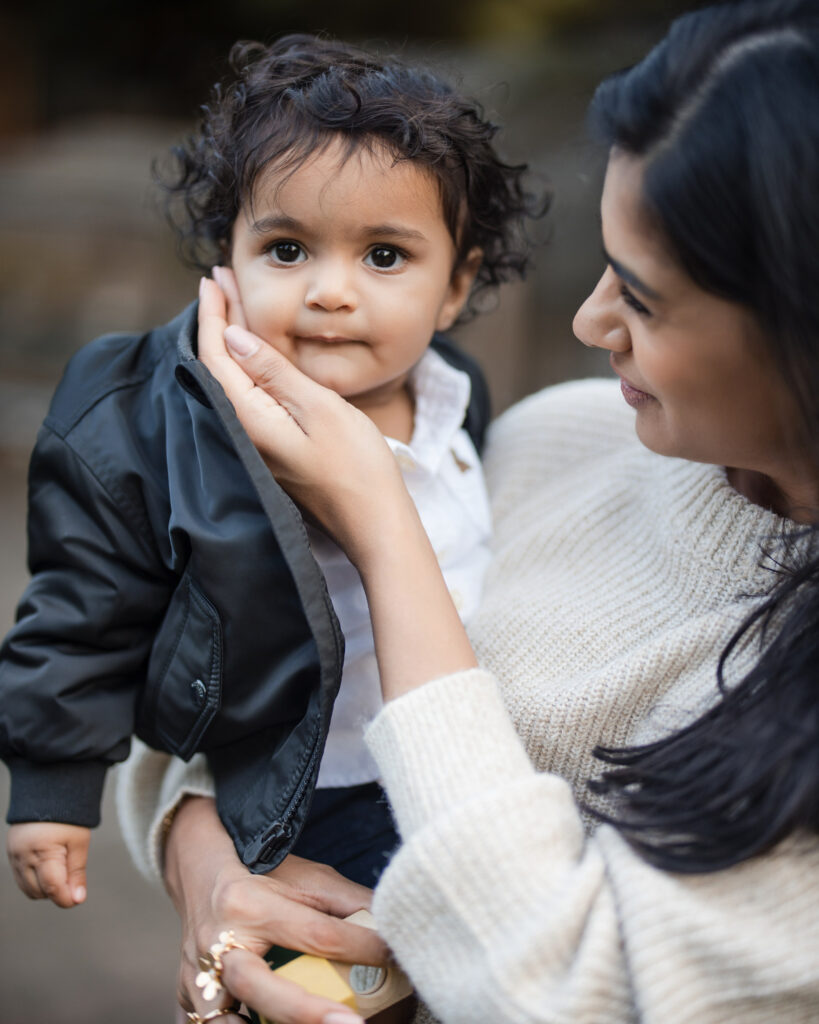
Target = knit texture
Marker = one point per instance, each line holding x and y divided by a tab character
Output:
617	579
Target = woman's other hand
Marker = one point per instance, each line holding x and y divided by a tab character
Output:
298	905
326	453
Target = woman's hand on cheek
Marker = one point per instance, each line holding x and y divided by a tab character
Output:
226	280
299	905
325	453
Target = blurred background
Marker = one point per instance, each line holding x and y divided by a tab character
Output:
91	93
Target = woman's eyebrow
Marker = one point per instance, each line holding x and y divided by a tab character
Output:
630	277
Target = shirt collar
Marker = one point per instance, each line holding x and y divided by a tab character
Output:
441	396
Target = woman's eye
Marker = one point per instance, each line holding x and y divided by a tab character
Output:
384	257
286	252
631	300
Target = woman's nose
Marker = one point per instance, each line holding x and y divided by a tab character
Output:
331	287
599	322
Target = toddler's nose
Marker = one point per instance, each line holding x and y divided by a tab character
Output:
331	288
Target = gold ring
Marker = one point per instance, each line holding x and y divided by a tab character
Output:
209	978
194	1017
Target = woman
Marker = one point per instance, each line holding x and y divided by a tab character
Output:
631	577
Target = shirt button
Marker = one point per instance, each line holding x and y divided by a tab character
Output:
199	692
405	462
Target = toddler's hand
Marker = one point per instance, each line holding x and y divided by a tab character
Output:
48	860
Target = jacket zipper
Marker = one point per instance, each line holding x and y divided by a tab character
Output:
280	831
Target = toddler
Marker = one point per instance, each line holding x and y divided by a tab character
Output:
352	206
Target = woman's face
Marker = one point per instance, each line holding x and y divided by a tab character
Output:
695	368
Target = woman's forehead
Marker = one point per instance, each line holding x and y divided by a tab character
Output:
632	236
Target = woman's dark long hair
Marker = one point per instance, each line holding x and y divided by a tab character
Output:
725	114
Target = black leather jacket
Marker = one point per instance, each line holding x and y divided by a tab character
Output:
173	595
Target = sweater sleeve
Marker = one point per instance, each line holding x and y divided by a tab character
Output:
71	666
502	909
150	787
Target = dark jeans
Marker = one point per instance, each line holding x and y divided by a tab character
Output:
350	829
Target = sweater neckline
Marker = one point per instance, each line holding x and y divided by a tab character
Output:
699	508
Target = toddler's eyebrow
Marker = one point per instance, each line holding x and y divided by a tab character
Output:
395	232
282	222
275	222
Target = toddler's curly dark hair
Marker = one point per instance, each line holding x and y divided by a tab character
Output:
288	100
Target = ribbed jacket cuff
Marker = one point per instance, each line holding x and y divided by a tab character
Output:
66	791
449	741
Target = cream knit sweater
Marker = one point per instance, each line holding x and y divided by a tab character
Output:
617	579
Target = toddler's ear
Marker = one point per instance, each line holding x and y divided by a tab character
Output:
460	285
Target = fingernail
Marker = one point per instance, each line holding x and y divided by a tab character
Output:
201	285
340	1017
216	273
240	341
79	894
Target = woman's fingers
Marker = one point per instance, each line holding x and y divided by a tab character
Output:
311	931
199	1006
192	997
265	911
276	376
248	392
252	981
226	280
211	340
322	887
246	977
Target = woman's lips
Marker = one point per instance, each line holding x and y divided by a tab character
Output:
633	396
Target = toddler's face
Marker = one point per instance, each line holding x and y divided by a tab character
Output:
346	269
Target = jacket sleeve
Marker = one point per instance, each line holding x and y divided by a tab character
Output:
501	908
71	666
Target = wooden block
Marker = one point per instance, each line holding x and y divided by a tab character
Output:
320	976
380	994
375	988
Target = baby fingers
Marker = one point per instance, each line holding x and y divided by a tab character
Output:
43	876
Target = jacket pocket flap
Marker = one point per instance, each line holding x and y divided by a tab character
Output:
184	688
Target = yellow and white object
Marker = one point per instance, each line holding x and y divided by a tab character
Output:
367	990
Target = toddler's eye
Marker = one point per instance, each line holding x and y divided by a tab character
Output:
384	257
286	252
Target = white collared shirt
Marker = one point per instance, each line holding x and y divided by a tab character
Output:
444	477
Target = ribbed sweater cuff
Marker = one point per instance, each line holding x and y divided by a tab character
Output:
66	791
158	831
150	787
450	740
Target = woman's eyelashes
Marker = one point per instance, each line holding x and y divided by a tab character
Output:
631	299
